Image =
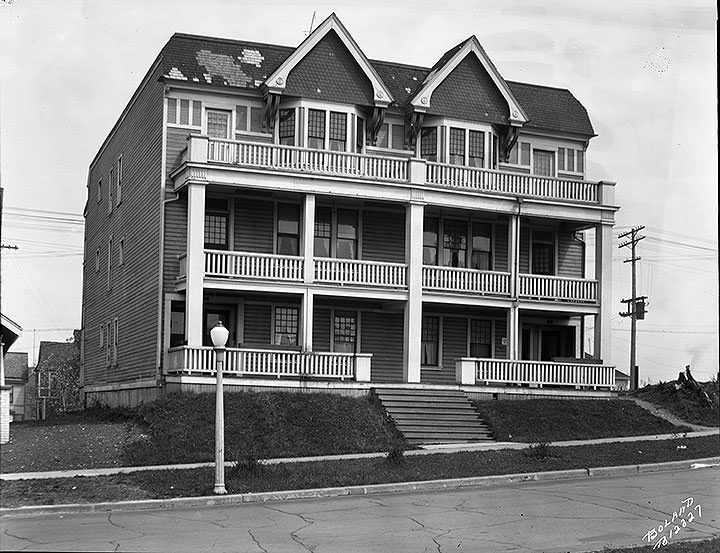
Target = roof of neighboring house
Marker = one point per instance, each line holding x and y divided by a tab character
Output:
16	366
236	64
52	354
621	375
10	331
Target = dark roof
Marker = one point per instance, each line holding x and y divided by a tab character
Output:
52	354
621	375
554	109
16	366
238	64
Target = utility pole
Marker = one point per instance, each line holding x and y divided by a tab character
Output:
636	305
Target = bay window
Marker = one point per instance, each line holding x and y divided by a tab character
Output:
338	131
457	146
316	129
286	127
476	149
428	143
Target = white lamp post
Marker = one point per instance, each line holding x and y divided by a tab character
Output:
219	336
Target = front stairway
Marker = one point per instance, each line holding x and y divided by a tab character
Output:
430	416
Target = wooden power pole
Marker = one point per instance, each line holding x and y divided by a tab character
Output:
636	304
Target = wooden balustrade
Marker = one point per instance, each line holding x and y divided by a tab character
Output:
503	371
514	184
558	288
452	279
253	265
269	363
357	272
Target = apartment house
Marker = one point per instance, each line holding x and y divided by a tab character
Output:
352	223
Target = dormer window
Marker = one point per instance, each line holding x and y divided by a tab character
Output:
338	131
457	146
316	129
391	136
334	128
544	163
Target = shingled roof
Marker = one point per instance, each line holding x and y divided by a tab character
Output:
16	366
237	64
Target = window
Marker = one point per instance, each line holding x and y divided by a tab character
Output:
216	224
218	124
323	226
561	159
177	323
457	146
338	131
286	127
580	161
99	190
286	326
543	253
570	159
543	163
480	338
111	184
430	241
119	180
97	260
345	332
116	341
454	243
476	149
121	252
184	112
481	257
383	137
316	129
398	137
428	143
495	152
288	230
347	234
360	135
524	153
249	119
109	264
103	338
430	334
111	340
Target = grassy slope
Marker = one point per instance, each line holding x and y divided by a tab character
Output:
684	404
543	420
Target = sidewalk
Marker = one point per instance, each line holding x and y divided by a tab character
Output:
430	449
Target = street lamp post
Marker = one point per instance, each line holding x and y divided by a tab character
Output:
219	336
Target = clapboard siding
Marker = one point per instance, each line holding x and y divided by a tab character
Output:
321	329
500	327
134	295
501	248
382	335
524	249
254	223
175	240
571	256
454	346
177	141
383	236
257	324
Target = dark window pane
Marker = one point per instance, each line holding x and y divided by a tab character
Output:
347	220
256	123
218	123
398	137
323	226
454	243
172	110
241	118
476	149
430	241
429	341
428	143
286	326
580	161
197	113
542	259
216	226
570	159
316	129
322	247
457	146
481	246
382	137
287	127
338	131
288	229
184	112
480	338
514	154
543	163
524	153
345	332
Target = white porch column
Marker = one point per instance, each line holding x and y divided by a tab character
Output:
513	332
603	274
514	254
413	308
308	238
308	304
195	264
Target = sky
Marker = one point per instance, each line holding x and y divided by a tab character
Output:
645	70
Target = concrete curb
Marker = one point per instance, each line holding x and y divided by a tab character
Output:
427	485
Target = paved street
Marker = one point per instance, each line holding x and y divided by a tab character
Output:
579	515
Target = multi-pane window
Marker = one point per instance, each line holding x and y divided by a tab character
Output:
253	123
347	234
286	127
430	241
525	153
119	180
99	190
111	185
286	326
391	136
323	231
457	146
345	331
495	154
476	149
430	335
316	129
571	160
428	143
338	131
216	224
109	264
481	257
480	338
218	124
543	253
288	231
543	163
184	112
360	135
454	243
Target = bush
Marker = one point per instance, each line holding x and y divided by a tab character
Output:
539	451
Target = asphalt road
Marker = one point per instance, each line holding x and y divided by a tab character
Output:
561	516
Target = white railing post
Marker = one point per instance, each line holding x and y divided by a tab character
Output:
362	367
465	371
197	151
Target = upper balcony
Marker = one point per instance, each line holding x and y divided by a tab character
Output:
296	160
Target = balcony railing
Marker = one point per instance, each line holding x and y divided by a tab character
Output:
451	279
291	158
540	373
253	265
514	184
200	361
558	288
363	273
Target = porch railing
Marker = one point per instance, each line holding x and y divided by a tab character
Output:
253	265
291	158
558	288
514	184
503	371
270	363
453	279
357	272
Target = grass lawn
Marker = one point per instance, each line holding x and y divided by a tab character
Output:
547	420
705	546
257	478
683	403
